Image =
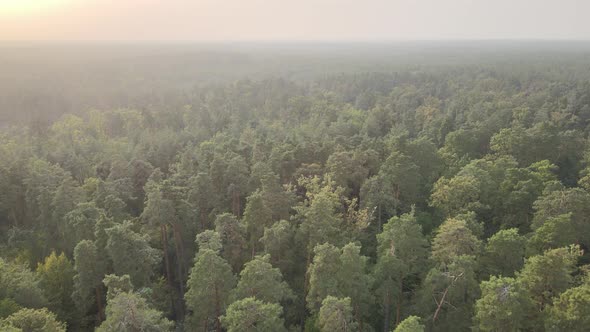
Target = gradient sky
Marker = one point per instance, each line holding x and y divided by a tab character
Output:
306	20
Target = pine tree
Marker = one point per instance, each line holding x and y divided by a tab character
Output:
260	280
209	285
252	315
55	278
401	256
336	315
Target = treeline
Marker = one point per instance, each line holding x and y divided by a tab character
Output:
448	199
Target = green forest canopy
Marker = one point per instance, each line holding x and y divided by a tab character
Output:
407	187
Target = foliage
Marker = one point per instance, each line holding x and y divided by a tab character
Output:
364	189
250	314
33	320
130	312
260	280
209	285
504	305
55	278
336	315
410	324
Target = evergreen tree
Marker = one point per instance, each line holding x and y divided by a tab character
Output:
410	324
257	216
504	305
504	253
131	253
209	285
130	312
55	278
233	240
336	315
569	312
32	320
401	257
546	276
88	278
260	280
323	276
250	315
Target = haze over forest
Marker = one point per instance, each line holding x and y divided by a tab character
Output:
317	166
285	20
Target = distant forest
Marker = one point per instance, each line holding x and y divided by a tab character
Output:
298	187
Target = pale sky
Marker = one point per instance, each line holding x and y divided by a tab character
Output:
302	20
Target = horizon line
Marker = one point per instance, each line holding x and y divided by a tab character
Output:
289	41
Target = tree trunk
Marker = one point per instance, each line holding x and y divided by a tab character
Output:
442	299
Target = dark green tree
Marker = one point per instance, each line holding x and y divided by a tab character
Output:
504	305
250	315
209	285
336	315
132	254
401	258
260	280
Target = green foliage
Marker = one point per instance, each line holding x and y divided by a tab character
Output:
279	242
401	175
453	239
570	312
209	285
131	253
448	294
546	276
130	312
322	218
336	315
407	189
32	320
116	285
7	307
257	216
504	305
557	201
55	278
260	280
355	281
81	222
340	273
20	284
209	240
323	274
233	239
90	271
401	258
504	253
555	232
250	314
410	324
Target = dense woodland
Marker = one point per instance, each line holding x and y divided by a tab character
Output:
415	195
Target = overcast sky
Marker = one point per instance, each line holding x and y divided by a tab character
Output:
305	20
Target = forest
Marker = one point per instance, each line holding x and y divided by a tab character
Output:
296	188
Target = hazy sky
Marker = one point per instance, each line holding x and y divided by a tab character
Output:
214	20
